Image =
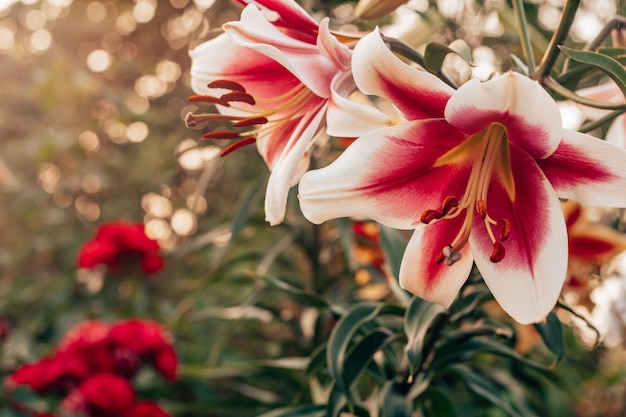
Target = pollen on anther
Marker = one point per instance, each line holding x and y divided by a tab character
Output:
481	208
220	134
448	204
199	98
429	215
240	143
251	122
498	252
238	96
504	227
227	84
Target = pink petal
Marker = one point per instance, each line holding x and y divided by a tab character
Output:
221	58
588	170
289	166
422	276
387	175
377	71
528	280
608	92
349	119
339	54
530	116
302	59
289	14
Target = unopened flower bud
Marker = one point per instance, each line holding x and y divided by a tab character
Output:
374	9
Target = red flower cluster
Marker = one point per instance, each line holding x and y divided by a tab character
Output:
93	364
119	243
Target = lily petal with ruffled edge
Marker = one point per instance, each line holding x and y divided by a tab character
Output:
377	71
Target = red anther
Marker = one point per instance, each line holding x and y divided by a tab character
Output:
429	215
191	120
227	84
481	208
498	252
240	143
448	204
198	98
221	134
238	96
251	122
504	226
440	258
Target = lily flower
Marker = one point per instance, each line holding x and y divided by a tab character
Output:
477	173
270	75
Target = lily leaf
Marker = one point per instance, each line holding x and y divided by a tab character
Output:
437	403
552	335
309	410
393	245
417	321
435	53
604	63
394	401
484	387
343	333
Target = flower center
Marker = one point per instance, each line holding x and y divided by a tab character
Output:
490	152
265	115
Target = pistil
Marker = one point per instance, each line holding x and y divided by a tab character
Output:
484	149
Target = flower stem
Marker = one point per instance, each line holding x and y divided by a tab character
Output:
597	123
401	48
559	89
558	37
527	47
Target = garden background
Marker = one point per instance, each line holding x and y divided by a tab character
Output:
93	101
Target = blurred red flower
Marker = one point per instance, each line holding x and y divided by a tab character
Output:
119	243
146	409
101	395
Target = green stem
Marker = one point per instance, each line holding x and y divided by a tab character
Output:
558	37
597	123
401	48
527	47
559	89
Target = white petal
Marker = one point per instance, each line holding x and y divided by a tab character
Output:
347	118
289	167
530	116
588	170
377	71
616	134
302	59
527	289
422	276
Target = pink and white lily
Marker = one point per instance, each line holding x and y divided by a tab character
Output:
270	75
477	173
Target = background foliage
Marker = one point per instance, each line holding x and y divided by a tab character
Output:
287	318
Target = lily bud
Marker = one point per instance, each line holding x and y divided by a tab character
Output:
374	9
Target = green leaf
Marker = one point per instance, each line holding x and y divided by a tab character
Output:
519	63
393	244
306	297
394	401
552	335
604	63
436	403
435	53
309	410
455	351
467	303
485	388
417	321
343	333
361	353
318	360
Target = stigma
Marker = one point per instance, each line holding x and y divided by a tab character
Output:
488	153
252	118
